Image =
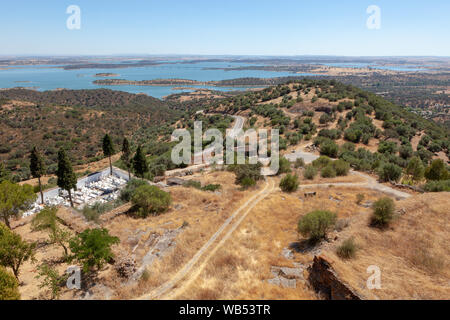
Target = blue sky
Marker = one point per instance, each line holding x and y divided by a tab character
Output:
245	27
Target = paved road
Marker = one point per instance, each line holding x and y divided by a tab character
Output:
204	156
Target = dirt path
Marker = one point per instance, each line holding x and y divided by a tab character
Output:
208	248
370	183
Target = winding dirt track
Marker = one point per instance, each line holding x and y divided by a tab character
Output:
209	248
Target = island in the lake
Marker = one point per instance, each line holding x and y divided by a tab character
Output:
106	74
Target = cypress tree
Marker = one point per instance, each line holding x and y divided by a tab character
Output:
67	179
126	155
37	168
108	150
140	163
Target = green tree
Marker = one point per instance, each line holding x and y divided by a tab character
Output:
67	179
9	287
437	171
47	220
13	250
126	156
415	169
37	168
92	248
289	183
150	200
284	165
140	165
51	279
389	172
383	212
316	224
108	149
14	199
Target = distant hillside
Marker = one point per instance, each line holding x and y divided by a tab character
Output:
77	121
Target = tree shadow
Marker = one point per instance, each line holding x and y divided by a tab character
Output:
304	246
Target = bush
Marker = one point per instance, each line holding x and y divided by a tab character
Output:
212	187
341	167
383	212
437	171
252	171
150	200
359	198
347	249
310	172
321	162
127	192
328	172
390	172
285	166
316	224
247	182
9	286
329	148
437	186
289	183
299	163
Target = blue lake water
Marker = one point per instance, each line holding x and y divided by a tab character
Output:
53	77
50	77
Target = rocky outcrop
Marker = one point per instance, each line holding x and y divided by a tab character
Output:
326	282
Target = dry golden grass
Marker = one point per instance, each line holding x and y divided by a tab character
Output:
413	254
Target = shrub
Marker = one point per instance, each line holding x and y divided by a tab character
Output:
390	172
193	184
321	162
212	187
383	212
415	169
247	182
150	200
437	171
310	172
341	167
252	171
359	198
316	224
299	163
127	192
92	248
328	172
437	186
284	166
289	183
347	249
9	286
329	148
